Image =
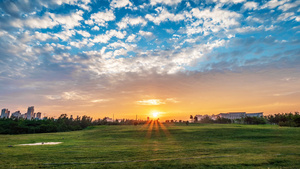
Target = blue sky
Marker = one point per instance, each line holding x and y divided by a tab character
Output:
94	54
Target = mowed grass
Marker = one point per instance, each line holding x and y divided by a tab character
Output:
168	146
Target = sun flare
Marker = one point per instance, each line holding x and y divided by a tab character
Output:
155	114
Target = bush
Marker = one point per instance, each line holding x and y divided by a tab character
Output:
254	120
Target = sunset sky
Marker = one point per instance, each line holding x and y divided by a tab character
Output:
128	58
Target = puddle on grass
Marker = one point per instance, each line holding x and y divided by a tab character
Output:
38	144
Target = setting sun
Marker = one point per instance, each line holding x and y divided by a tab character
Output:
155	114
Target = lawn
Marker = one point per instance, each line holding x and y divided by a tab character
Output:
157	146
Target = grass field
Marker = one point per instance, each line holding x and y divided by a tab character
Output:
155	146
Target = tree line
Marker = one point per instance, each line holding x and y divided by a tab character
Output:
281	119
24	126
285	119
63	123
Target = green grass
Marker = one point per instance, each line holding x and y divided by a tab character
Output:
181	146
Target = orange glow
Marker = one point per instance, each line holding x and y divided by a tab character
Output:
157	127
165	130
149	132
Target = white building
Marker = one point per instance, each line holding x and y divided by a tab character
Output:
30	112
39	115
16	114
5	113
199	117
260	114
233	115
108	119
229	115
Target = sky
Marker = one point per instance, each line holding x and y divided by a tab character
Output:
124	58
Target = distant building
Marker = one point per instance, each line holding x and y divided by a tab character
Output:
108	119
198	117
260	114
38	115
5	113
16	114
30	112
118	120
24	116
214	117
233	115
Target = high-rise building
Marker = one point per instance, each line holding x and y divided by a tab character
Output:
30	112
39	115
4	113
16	114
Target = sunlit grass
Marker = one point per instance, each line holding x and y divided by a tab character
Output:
157	145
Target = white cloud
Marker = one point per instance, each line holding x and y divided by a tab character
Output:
214	20
165	2
119	52
65	35
84	33
100	100
49	20
286	16
101	18
131	38
150	102
80	44
68	21
44	22
162	62
121	44
104	38
270	28
60	2
96	28
229	1
120	3
288	6
248	29
163	16
71	95
172	100
53	97
251	18
60	46
170	31
144	33
251	5
273	4
42	36
131	21
89	22
81	3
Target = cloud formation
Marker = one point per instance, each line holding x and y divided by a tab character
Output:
82	51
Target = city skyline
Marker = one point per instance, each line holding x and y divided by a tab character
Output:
174	57
31	115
